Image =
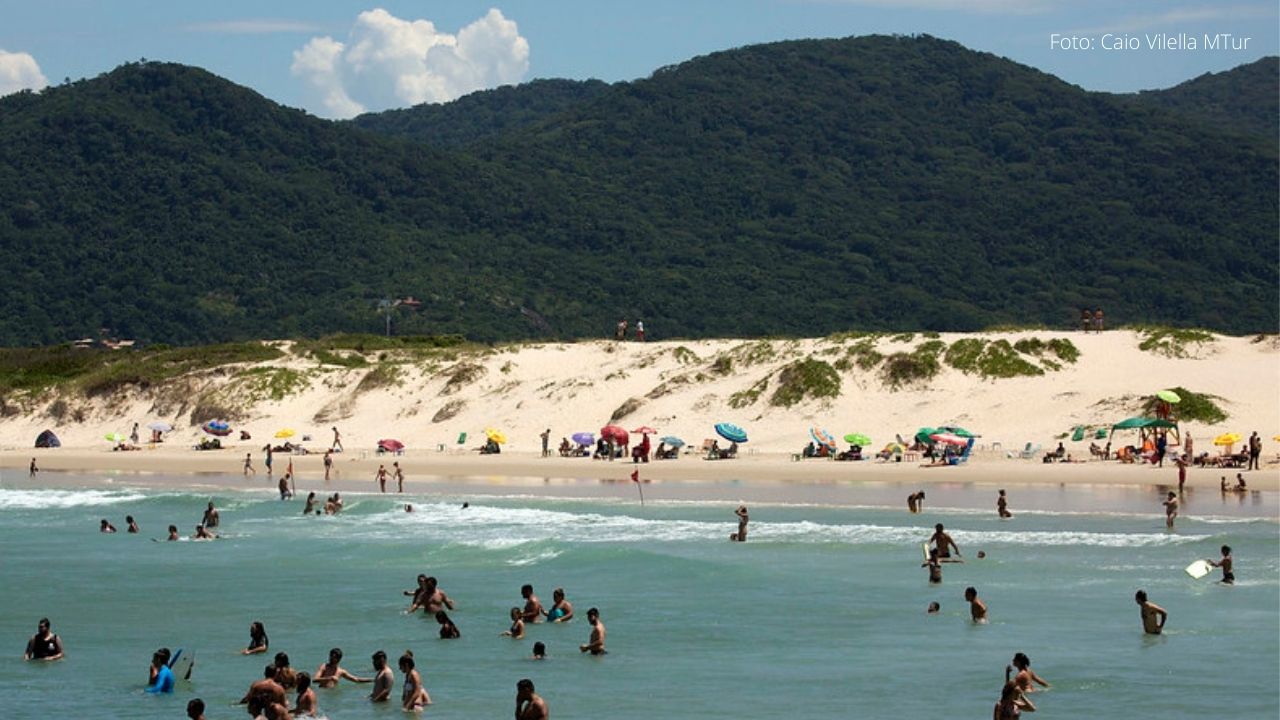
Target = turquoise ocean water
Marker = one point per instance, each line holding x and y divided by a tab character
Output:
820	615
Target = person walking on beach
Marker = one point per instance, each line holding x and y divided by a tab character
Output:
943	543
1170	509
1228	577
267	449
595	643
640	331
1002	506
546	442
133	435
34	469
44	645
977	608
743	518
1162	444
328	463
1025	675
529	704
915	502
1097	321
211	518
1153	616
381	477
1086	320
1182	472
248	465
337	441
1255	450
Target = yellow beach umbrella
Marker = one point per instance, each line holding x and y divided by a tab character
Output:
495	435
1276	438
1227	439
285	433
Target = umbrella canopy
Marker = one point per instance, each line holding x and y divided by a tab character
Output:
615	433
285	433
1169	396
1227	439
1142	422
949	438
115	437
924	435
731	432
160	427
391	445
955	431
584	438
216	427
822	437
645	430
1275	437
857	439
495	435
673	441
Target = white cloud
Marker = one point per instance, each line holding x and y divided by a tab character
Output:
19	71
259	26
391	62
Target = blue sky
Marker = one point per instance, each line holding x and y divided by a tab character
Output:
335	57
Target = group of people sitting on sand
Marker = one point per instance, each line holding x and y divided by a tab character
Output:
718	453
816	450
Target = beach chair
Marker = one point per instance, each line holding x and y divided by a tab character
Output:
705	450
1025	453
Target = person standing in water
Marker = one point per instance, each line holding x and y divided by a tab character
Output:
1025	675
211	517
532	605
306	703
943	543
248	465
529	705
1002	506
977	608
258	640
413	696
328	464
384	680
381	478
1170	509
561	609
1153	616
595	642
743	519
34	469
161	676
328	674
44	645
1228	577
935	567
285	492
915	501
398	474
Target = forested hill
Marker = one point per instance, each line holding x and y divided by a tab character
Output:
1246	98
795	188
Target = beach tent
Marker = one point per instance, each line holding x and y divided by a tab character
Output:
1147	426
47	439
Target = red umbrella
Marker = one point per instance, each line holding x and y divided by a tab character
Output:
615	433
391	445
645	430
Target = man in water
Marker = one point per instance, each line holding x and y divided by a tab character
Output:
132	526
195	709
1002	506
384	680
173	533
34	469
977	608
44	645
539	651
328	674
106	527
161	675
285	492
211	517
431	598
943	543
915	501
1153	616
1228	577
398	474
935	568
1170	509
743	518
533	611
267	687
529	704
595	643
202	533
285	675
934	608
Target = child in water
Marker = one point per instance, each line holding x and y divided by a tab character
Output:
517	625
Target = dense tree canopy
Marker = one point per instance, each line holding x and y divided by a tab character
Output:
791	188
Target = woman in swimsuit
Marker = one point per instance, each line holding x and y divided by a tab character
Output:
517	625
258	640
413	697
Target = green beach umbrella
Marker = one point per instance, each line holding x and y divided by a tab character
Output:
857	439
1169	396
115	437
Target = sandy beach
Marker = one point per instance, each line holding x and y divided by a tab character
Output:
679	388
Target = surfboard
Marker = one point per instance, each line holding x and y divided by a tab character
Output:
182	663
924	547
1199	569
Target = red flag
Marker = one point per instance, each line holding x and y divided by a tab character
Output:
635	476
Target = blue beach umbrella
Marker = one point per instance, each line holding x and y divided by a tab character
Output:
584	438
731	432
673	441
822	437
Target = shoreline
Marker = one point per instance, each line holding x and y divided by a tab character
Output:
521	469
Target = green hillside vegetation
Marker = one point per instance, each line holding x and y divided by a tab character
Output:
1246	99
799	188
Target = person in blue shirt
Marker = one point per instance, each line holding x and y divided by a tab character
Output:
161	675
